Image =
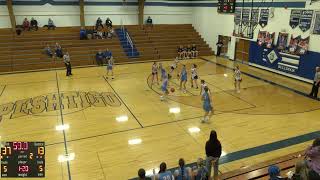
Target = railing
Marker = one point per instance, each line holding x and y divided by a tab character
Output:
127	36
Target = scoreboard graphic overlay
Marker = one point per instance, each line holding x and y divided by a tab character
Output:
226	6
23	159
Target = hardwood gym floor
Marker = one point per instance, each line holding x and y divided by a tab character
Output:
96	109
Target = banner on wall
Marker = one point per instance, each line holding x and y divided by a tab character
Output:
255	17
269	39
237	16
264	16
282	41
306	20
295	18
316	23
246	16
262	35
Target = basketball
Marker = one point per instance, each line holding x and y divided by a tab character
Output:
172	90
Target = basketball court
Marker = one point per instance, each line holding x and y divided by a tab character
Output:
117	126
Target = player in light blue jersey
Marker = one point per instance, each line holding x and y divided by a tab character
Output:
183	78
110	64
207	106
163	173
183	173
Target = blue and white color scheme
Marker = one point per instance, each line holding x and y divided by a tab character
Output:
299	67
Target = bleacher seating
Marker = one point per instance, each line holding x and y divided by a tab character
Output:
25	52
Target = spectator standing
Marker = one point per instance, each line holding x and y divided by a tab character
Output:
26	24
219	47
34	24
99	58
83	33
48	51
142	175
316	83
99	23
66	60
51	24
149	22
213	152
58	51
108	23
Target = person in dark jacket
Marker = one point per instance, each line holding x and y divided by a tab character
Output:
213	152
34	24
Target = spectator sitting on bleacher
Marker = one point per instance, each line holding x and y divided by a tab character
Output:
99	58
183	173
184	51
194	51
99	34
188	52
83	33
110	33
99	23
274	173
50	24
163	173
180	52
310	167
108	23
48	51
26	24
200	172
34	24
58	50
142	175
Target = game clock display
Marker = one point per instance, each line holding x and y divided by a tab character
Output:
23	159
226	6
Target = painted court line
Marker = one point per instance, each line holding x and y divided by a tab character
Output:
64	133
3	90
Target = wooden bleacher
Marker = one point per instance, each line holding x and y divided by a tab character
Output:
26	52
260	171
161	41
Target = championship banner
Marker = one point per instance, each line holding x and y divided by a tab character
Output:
237	16
262	35
303	46
269	40
246	17
293	44
305	20
295	18
255	17
316	23
264	16
282	41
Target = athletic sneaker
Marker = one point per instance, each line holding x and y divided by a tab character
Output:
161	98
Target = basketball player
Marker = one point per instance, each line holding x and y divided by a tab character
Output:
110	66
154	72
164	87
163	173
163	71
203	85
207	107
174	66
237	79
194	76
183	78
182	173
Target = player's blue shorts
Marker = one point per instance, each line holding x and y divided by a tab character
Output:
183	78
109	67
207	107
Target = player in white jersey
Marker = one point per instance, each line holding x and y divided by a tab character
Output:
203	85
154	72
237	79
194	76
174	66
110	64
